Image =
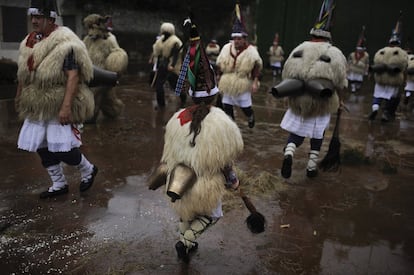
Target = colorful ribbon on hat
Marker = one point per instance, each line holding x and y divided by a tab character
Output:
193	68
183	74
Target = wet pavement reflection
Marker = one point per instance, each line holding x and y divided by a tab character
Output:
358	220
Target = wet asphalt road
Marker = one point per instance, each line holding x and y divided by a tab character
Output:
358	220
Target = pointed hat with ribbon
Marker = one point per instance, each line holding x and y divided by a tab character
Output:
239	29
196	67
396	34
323	23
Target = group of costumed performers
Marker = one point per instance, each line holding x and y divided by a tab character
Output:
240	65
201	143
276	56
358	63
53	97
167	58
389	67
313	74
106	54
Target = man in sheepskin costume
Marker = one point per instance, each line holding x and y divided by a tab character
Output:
201	142
52	97
313	73
240	65
409	86
390	64
276	56
167	53
106	54
358	64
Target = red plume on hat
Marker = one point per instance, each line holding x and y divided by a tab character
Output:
361	40
239	29
276	39
396	32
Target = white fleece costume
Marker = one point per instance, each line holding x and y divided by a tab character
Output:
218	144
236	78
309	116
358	64
105	53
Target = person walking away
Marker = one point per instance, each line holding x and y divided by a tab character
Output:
390	64
167	54
313	73
195	174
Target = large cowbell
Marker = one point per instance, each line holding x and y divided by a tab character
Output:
182	178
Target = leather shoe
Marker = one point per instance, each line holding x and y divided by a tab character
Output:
182	251
286	170
87	183
54	193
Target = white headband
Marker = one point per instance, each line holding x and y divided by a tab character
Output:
36	11
213	91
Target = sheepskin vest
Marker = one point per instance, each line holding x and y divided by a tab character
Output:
358	66
40	72
217	145
237	69
106	53
275	54
163	49
391	56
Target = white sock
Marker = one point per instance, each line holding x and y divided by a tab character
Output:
85	168
56	175
375	107
290	149
313	160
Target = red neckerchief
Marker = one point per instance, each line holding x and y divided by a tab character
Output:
33	38
359	55
187	114
237	54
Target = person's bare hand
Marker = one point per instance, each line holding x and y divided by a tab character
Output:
65	115
255	86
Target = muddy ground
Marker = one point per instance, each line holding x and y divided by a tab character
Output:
358	220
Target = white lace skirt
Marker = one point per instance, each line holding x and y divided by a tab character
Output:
305	127
48	134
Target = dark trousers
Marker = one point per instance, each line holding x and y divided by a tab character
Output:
228	109
315	143
164	75
73	157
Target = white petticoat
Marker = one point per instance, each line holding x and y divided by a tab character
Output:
409	86
305	127
48	134
385	91
276	64
244	100
352	76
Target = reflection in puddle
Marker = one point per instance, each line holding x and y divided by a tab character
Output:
378	258
133	212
